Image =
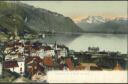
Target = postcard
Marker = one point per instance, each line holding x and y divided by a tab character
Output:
63	41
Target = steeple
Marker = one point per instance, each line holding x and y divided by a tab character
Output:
16	34
55	45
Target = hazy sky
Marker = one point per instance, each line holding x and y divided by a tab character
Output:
81	9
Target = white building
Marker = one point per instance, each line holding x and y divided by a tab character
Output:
61	51
42	53
11	56
50	53
14	52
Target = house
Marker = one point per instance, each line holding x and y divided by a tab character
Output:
69	63
14	49
45	51
34	66
48	61
49	53
41	53
21	64
17	65
33	59
11	65
61	50
49	50
93	49
37	49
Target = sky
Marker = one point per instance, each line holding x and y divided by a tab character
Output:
78	10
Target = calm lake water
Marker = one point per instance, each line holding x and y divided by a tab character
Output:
108	42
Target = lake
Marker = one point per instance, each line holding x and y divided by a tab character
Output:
107	42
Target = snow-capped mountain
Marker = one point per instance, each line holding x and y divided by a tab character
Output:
99	24
94	19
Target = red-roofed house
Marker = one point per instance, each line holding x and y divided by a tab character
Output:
69	64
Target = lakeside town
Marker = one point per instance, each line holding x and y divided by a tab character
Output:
32	60
75	42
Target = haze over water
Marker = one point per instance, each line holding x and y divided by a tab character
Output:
107	42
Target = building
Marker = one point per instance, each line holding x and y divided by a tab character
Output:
48	62
42	51
11	65
14	49
69	63
21	64
93	49
16	65
48	51
61	50
34	66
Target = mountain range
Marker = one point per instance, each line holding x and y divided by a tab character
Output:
99	24
19	17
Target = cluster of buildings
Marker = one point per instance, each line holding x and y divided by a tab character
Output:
102	59
34	59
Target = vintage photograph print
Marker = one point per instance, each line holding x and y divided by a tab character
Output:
63	41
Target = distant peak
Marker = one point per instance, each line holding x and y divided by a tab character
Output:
94	19
120	18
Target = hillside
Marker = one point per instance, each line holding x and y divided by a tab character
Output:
98	24
19	17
